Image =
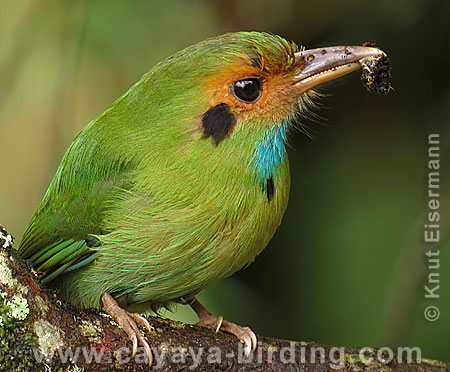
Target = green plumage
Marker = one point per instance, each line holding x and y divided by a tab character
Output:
144	207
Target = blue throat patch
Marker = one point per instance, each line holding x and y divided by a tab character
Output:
270	152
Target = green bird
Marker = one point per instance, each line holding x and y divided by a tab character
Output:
182	181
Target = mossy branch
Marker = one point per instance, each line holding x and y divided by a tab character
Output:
39	332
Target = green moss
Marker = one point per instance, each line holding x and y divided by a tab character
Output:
370	360
13	332
16	338
19	308
353	358
88	329
47	336
435	363
40	303
178	325
75	369
5	273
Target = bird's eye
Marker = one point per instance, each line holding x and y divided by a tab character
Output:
247	90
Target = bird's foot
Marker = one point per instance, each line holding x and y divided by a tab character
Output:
128	322
206	319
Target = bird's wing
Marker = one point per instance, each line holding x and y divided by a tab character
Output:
67	226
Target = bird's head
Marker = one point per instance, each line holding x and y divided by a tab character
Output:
244	89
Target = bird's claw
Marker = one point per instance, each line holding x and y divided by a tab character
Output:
135	345
138	318
219	323
128	322
243	334
141	320
211	321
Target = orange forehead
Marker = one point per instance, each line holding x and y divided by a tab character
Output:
277	96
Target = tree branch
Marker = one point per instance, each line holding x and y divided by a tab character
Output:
39	332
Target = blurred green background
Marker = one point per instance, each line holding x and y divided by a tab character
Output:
347	267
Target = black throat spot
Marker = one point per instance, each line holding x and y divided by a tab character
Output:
218	122
270	188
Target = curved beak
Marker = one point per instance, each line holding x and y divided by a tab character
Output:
323	64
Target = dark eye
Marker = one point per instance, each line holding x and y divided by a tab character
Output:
247	90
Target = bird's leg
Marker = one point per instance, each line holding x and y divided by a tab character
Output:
206	319
128	322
